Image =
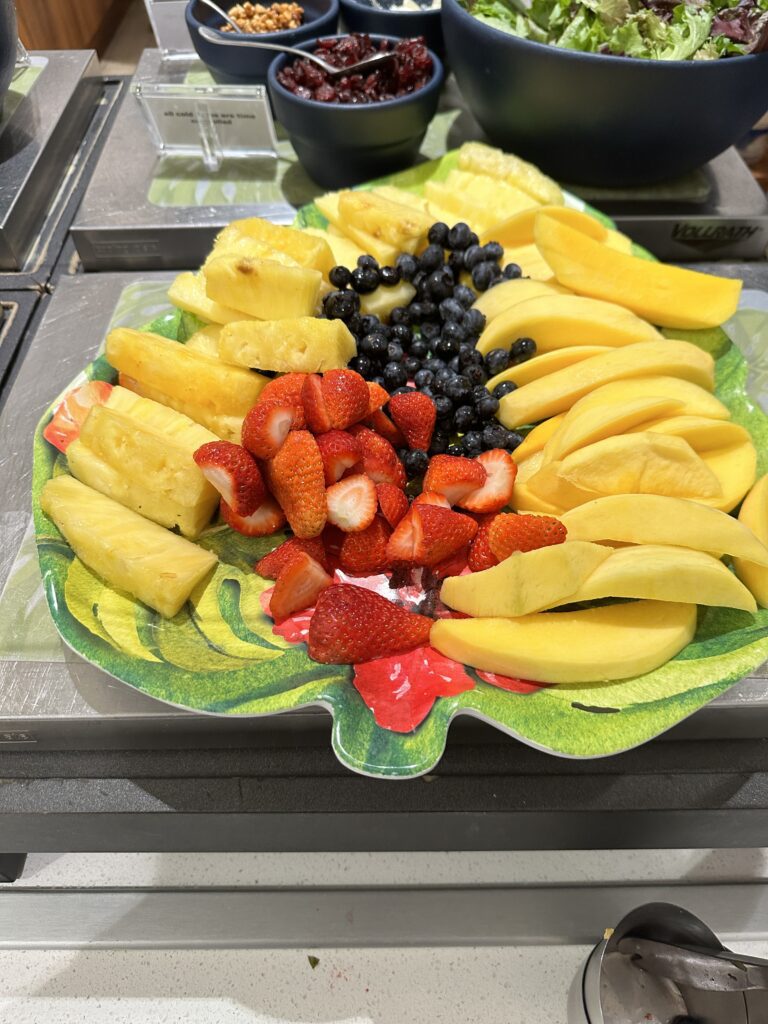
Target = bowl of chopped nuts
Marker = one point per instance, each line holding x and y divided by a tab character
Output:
289	23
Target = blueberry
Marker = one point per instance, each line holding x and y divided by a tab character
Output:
478	393
440	441
523	349
423	378
505	388
354	323
496	361
431	258
368	261
466	353
412	366
443	405
394	376
377	345
455	264
493	251
341	305
454	364
407	265
484	274
404	390
434	364
464	295
439	284
370	323
400	315
416	463
455	449
365	279
476	374
458	388
361	364
513	440
390	276
464	418
450	309
428	310
340	277
428	392
487	407
473	442
472	357
438	234
456	332
459	236
401	333
430	331
394	352
473	255
494	436
378	379
447	347
416	311
419	348
443	374
512	271
473	321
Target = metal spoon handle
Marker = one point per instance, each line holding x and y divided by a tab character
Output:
211	37
223	14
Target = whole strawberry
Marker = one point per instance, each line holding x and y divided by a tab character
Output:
297	479
415	414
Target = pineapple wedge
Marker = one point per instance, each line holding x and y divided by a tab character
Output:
262	288
328	205
452	206
206	340
230	243
345	252
401	226
402	196
188	292
126	550
191	377
383	300
504	199
481	159
229	428
311	253
305	345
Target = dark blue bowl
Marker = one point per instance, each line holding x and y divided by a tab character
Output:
601	120
360	16
343	144
7	45
235	63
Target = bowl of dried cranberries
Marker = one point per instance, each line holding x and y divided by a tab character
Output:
349	129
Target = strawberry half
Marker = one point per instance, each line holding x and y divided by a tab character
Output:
297	479
285	389
270	566
267	425
480	554
340	451
432	498
352	503
379	461
70	414
267	518
415	414
233	473
298	587
510	532
428	535
392	502
340	630
312	398
346	397
454	476
382	424
377	396
365	553
497	490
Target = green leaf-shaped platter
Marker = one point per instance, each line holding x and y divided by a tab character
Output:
220	656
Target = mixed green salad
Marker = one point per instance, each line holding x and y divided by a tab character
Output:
653	29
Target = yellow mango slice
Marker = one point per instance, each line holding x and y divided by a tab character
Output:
535	439
526	581
657	519
735	468
583	427
523	498
518	230
530	261
304	345
188	292
558	391
541	366
559	321
591	645
658	572
753	516
663	295
694	400
262	288
508	293
701	433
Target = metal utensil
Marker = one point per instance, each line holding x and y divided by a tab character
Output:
215	7
361	67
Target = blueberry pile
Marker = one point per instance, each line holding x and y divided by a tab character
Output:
430	343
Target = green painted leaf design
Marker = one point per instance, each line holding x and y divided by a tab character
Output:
221	656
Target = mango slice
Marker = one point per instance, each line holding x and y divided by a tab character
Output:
508	293
541	366
559	390
753	516
661	573
581	428
518	229
558	321
694	400
523	498
591	645
735	468
535	439
662	294
527	581
701	433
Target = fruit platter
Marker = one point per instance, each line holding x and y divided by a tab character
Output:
447	446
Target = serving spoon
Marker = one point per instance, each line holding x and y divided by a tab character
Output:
360	67
223	14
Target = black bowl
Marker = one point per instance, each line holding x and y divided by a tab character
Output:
7	45
360	16
596	119
235	63
343	144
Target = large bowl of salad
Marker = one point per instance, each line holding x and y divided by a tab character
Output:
611	92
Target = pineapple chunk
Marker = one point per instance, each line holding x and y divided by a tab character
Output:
188	292
305	345
126	550
230	243
403	196
206	340
291	241
345	252
262	288
401	226
482	159
229	428
383	300
504	199
95	472
440	213
328	205
456	207
191	377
